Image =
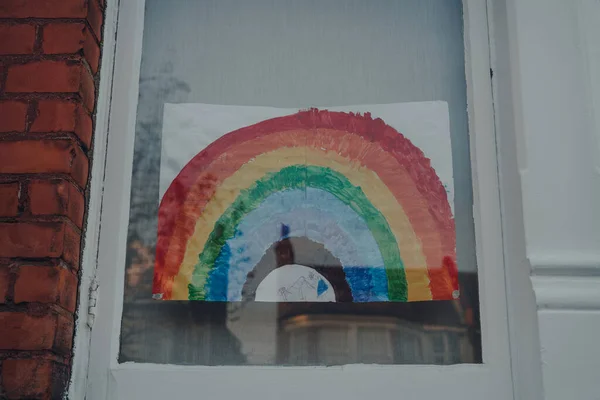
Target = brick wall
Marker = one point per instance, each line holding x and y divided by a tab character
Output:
49	57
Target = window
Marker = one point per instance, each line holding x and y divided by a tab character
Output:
438	346
166	83
260	53
299	347
409	348
374	345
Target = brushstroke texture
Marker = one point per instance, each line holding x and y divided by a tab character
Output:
312	213
349	142
300	177
414	255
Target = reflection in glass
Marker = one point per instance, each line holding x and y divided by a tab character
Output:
297	54
298	333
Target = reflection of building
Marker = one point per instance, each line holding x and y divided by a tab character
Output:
333	339
207	333
382	333
436	332
193	333
295	333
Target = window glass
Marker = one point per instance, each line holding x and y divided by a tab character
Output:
407	347
333	346
438	345
299	347
297	54
374	345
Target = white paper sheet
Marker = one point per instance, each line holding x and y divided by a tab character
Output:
190	127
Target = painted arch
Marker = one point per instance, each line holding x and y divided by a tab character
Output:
396	180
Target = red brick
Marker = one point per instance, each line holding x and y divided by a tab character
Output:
60	38
84	126
88	89
63	341
37	240
43	284
56	197
59	197
94	17
43	8
27	378
9	199
63	116
63	38
44	156
5	278
91	50
54	116
21	331
68	297
71	246
37	284
13	115
44	76
16	39
40	239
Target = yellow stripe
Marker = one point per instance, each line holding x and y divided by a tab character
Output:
375	190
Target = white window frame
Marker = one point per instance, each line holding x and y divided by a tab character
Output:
104	257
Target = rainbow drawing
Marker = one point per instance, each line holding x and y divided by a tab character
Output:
316	205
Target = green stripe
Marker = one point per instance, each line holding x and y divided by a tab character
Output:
299	177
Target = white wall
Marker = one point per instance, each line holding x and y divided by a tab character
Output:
548	105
